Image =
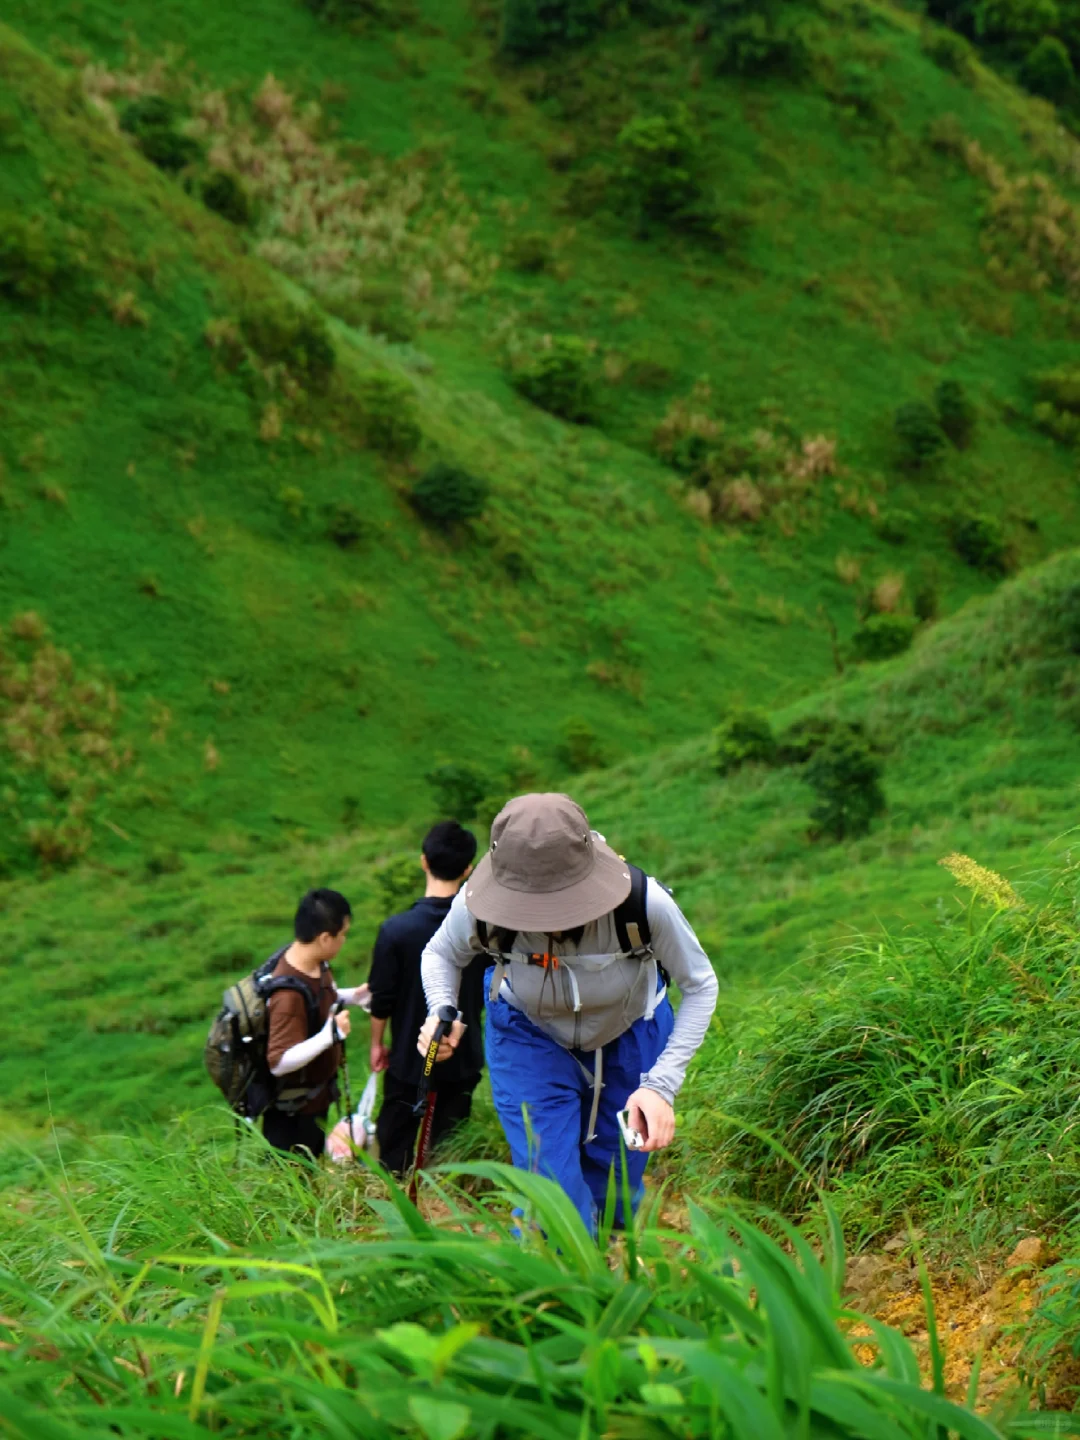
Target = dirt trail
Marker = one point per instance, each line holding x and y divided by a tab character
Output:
974	1316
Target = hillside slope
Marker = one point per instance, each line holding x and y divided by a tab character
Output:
121	969
171	494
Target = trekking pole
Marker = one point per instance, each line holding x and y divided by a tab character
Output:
345	1072
425	1096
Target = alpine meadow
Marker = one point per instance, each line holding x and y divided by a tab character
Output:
672	404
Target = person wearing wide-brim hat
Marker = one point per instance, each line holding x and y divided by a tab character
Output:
579	1023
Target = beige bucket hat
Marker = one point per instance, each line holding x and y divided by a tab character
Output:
546	869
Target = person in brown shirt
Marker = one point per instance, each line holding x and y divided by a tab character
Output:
306	1060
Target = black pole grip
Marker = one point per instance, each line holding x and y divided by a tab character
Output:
446	1016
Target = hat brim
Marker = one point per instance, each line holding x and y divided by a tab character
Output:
604	888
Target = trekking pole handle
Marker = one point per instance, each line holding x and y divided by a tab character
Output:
447	1015
335	1011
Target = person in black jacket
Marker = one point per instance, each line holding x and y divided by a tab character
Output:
397	996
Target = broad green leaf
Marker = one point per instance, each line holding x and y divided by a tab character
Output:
439	1419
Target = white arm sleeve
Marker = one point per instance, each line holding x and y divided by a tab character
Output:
447	954
679	951
297	1056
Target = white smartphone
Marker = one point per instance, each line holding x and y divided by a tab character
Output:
631	1138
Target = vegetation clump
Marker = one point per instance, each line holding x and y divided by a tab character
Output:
459	789
226	196
281	333
979	539
845	775
388	413
880	637
580	747
447	495
955	412
154	124
558	377
661	173
744	737
35	264
532	28
919	435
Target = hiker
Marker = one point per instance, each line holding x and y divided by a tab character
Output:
579	1025
304	1042
397	995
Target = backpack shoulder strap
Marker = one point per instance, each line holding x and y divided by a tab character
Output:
631	920
270	987
495	942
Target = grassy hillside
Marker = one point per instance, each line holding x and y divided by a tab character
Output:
174	478
122	967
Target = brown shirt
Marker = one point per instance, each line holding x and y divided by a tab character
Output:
289	1026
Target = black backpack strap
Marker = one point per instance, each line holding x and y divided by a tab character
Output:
631	919
287	982
503	939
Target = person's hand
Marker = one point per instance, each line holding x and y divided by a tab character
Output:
652	1117
342	1023
361	996
380	1057
447	1045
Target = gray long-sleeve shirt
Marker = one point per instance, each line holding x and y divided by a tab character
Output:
456	943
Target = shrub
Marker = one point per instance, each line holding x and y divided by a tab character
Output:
1063	425
535	27
919	435
955	412
447	495
558	378
283	334
660	173
530	252
362	14
756	37
948	50
845	775
1048	70
152	122
460	789
743	737
580	747
882	636
398	882
388	406
1059	388
804	738
1014	22
896	527
980	540
345	525
33	264
224	194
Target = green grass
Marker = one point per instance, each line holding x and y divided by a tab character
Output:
174	1287
347	673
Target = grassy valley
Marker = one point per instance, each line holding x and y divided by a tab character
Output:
401	407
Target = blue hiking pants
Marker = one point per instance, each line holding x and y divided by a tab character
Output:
529	1069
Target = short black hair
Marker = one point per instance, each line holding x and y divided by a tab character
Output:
321	912
449	850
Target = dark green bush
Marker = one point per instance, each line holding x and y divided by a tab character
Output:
881	636
153	123
364	14
896	527
34	264
1048	70
345	525
225	195
804	738
558	378
388	407
398	882
955	412
758	45
460	789
530	252
660	173
920	438
948	50
580	747
980	541
446	495
535	27
282	334
1015	23
743	737
1059	388
845	775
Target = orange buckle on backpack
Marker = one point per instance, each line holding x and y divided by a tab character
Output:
545	961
